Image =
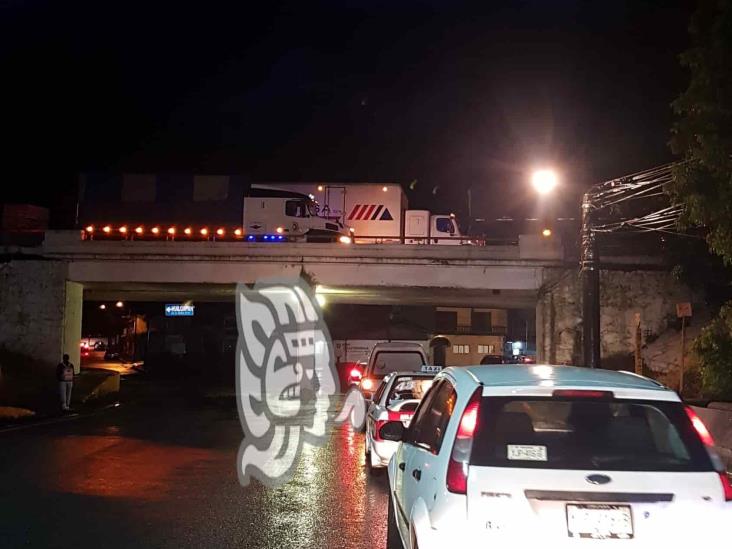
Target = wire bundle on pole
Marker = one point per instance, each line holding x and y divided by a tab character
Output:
639	186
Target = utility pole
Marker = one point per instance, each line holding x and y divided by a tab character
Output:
638	344
590	273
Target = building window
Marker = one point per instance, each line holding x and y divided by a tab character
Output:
138	188
208	188
446	321
461	349
486	349
481	322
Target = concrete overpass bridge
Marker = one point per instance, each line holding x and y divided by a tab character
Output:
374	274
43	288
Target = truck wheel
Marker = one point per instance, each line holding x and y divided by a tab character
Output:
393	539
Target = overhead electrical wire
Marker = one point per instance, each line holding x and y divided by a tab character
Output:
642	185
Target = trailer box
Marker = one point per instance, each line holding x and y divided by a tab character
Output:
373	210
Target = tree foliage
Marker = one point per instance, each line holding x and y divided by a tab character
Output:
714	347
702	134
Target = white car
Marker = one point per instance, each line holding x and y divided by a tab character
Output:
545	456
396	399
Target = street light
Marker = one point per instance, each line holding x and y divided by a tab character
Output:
544	181
119	304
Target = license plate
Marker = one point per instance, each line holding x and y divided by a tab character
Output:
525	452
599	521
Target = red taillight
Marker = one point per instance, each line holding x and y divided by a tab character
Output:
367	384
457	477
582	393
469	420
726	486
699	427
355	372
457	467
708	440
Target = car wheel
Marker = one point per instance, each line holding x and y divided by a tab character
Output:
393	539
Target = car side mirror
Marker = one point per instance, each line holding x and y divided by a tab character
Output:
392	430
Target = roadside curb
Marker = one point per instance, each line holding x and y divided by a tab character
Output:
57	419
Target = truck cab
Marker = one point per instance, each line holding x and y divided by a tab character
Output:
278	215
421	227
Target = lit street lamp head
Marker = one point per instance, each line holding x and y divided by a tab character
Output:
544	181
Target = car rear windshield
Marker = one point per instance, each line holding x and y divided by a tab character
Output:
397	361
616	435
408	388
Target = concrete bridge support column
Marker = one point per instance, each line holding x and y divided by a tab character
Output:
559	318
651	293
40	310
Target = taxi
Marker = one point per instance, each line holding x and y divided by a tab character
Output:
396	399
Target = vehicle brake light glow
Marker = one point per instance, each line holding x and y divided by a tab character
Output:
457	468
344	239
582	393
155	230
726	486
220	232
107	229
171	230
699	427
469	420
238	232
204	232
356	373
139	230
188	231
123	229
90	229
367	384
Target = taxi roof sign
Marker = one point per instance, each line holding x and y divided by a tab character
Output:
430	369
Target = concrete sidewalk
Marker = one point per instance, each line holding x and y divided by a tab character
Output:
37	403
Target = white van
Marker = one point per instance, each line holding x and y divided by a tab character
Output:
386	358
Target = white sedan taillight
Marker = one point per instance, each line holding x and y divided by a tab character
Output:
708	441
457	468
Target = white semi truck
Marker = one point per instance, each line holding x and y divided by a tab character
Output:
378	213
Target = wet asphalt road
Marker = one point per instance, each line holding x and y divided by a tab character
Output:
160	471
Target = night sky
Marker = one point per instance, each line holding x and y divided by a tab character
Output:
455	95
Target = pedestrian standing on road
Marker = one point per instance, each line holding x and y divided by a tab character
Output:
65	376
